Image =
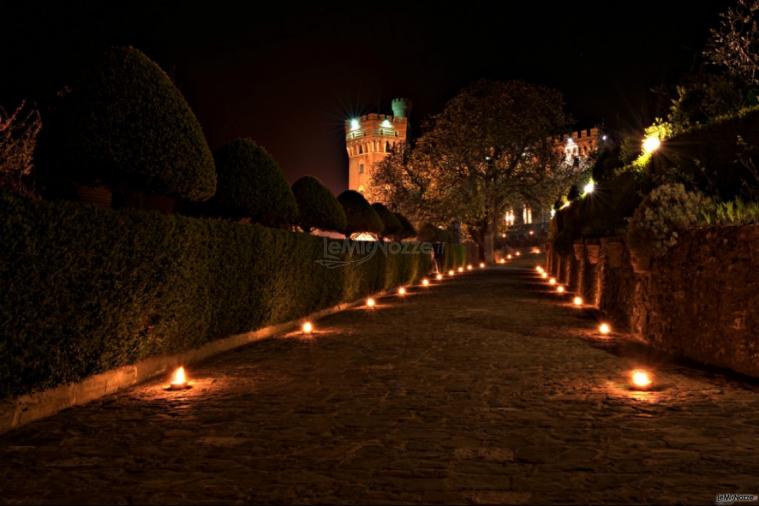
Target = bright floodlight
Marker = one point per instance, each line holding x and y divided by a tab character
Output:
651	144
588	189
355	124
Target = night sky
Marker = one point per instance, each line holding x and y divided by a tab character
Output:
289	75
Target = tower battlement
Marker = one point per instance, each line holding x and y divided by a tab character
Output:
369	139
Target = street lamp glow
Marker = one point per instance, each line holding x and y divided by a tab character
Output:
589	187
604	328
370	303
651	143
355	125
641	379
307	327
577	301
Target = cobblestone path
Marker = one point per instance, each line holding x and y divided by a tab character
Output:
487	389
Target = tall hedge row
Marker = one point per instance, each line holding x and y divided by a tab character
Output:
85	290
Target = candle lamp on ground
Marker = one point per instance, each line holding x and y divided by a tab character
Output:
307	328
370	303
604	328
560	289
451	272
482	265
641	379
179	380
461	269
577	301
552	281
401	291
439	277
425	282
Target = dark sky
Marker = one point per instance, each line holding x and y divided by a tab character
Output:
288	75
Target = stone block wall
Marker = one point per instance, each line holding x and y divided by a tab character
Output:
701	301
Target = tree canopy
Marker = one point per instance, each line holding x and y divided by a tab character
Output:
361	216
317	206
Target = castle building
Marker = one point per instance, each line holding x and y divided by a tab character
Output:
370	138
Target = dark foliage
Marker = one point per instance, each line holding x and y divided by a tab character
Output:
361	216
125	124
720	159
317	206
408	229
85	290
392	227
251	184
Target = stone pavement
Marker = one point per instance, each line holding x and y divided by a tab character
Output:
487	389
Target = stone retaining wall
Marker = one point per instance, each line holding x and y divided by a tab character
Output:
701	301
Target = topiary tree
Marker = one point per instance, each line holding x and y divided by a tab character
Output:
430	233
125	124
317	206
251	184
408	228
392	227
361	216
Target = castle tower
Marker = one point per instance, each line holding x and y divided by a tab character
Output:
370	138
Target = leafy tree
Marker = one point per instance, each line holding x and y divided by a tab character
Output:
251	184
734	44
492	147
18	138
317	206
125	124
392	227
361	216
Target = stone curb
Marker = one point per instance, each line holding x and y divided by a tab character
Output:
19	411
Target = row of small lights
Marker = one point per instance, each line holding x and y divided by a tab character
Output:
639	378
179	379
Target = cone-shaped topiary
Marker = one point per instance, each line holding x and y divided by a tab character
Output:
392	227
251	184
361	216
125	124
317	207
408	228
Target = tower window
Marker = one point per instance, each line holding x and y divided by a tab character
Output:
360	168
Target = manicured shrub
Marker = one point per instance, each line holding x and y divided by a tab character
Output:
126	125
408	229
361	216
251	184
317	206
430	233
392	227
86	290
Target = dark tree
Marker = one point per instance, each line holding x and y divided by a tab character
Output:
361	216
392	227
408	228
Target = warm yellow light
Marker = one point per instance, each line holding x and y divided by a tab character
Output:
482	265
401	291
519	253
509	256
469	267
461	269
532	232
439	277
560	289
178	380
538	268
577	301
651	143
641	379
604	328
370	303
425	282
307	327
552	281
544	274
451	272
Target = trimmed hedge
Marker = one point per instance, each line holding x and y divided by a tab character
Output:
454	256
408	229
86	290
361	216
317	206
392	227
251	184
125	124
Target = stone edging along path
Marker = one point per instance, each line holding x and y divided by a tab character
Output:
19	411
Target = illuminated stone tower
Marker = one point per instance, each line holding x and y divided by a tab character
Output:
369	139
